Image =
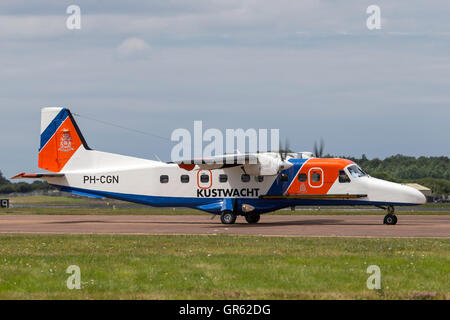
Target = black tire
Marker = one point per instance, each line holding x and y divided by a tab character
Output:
395	219
252	218
228	217
390	219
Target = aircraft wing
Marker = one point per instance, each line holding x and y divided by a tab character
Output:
251	163
219	162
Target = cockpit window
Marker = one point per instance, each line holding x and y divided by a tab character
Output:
343	177
356	171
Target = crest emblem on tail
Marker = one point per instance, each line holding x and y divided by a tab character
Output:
65	141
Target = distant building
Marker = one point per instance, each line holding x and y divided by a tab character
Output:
426	191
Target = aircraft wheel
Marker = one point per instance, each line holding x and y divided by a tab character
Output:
228	217
253	218
390	219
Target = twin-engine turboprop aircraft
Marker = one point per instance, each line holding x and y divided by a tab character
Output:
230	185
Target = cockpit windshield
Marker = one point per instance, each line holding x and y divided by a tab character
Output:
356	171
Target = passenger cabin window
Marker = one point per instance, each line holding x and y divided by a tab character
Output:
223	178
204	178
315	177
284	177
184	178
302	177
245	178
164	178
259	178
343	177
356	171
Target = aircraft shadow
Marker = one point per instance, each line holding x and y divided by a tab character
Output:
291	223
77	221
217	224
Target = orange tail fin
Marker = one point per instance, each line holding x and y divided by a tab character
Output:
60	139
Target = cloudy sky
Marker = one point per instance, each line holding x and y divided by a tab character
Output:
310	68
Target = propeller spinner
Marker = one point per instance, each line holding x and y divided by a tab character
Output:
283	163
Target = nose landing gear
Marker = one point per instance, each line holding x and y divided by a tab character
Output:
252	218
390	218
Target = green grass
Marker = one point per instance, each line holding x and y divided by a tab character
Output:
49	200
222	267
445	205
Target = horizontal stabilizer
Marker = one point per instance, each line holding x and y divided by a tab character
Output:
24	175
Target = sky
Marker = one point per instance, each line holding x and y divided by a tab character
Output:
309	68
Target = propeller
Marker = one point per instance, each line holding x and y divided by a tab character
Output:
318	148
283	163
284	151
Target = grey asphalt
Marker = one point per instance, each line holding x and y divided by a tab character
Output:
328	226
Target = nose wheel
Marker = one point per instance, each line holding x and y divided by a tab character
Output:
390	218
252	218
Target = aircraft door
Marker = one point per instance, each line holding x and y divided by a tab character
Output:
315	177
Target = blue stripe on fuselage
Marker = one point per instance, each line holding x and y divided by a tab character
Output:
215	205
53	126
156	201
279	187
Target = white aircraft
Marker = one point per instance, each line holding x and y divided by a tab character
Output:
230	185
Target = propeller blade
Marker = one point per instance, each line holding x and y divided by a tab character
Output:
286	149
316	150
280	151
319	148
322	146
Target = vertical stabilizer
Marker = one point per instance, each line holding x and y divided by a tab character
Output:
60	139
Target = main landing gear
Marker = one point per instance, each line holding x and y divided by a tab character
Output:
228	217
390	218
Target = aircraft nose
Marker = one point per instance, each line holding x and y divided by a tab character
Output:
390	192
416	196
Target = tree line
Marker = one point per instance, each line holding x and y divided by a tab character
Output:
432	172
7	187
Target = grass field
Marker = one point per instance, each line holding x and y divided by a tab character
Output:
55	200
222	267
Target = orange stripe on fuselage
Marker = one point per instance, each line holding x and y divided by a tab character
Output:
60	148
330	169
